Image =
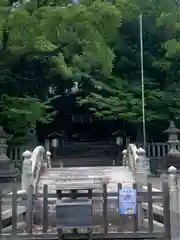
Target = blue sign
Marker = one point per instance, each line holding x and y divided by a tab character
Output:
76	1
127	201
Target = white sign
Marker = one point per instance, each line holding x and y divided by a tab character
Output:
54	143
119	140
127	201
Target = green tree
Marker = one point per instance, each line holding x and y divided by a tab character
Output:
161	65
51	47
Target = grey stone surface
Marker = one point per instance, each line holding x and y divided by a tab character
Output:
86	176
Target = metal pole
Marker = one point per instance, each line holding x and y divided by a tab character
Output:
142	83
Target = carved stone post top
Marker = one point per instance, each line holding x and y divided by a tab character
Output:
124	151
141	152
27	154
172	169
48	154
3	134
172	128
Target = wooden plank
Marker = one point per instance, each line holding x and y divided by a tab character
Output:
20	226
74	196
8	213
156	209
59	230
30	210
53	195
45	208
135	216
14	211
166	212
150	208
156	225
90	229
0	210
105	217
79	186
96	236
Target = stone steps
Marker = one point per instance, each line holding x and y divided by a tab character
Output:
74	161
85	149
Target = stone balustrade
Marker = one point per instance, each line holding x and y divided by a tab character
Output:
33	164
141	171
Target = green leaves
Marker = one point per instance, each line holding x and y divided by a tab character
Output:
52	44
19	114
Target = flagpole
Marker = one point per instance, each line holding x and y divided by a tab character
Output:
142	83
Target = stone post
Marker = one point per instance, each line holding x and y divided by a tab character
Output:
174	203
124	157
141	176
142	167
47	144
27	170
173	155
48	156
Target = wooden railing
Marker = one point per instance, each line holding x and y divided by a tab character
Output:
40	218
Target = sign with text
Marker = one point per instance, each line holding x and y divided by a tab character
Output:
127	201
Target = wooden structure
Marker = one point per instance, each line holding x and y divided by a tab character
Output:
105	223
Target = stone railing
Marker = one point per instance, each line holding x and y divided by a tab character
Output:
15	154
141	177
133	157
33	165
157	149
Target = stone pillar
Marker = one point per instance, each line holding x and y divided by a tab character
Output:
27	177
141	176
174	203
142	166
7	170
173	156
47	144
48	156
124	157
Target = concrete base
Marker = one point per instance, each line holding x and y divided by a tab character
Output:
173	160
8	172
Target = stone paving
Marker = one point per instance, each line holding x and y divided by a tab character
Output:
82	176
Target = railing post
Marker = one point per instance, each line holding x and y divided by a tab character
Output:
48	156
141	178
27	170
124	157
174	203
142	166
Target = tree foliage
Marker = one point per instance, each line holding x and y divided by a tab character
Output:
161	35
48	46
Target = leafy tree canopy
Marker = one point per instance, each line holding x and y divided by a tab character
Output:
161	35
47	46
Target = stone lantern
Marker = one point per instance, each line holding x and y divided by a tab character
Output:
173	155
7	170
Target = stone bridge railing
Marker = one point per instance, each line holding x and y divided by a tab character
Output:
136	160
34	164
